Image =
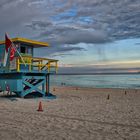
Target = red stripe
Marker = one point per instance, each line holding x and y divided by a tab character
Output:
8	43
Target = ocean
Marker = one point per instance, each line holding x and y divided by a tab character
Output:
98	81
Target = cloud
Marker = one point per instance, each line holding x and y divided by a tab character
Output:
39	25
90	70
67	35
71	22
58	51
102	67
83	36
67	23
97	21
61	54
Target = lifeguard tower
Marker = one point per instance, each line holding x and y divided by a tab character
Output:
27	74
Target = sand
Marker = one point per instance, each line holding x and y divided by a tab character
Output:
76	114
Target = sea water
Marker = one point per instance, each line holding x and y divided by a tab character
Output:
98	81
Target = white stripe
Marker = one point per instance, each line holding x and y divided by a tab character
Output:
5	59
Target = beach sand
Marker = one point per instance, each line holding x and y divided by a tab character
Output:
76	114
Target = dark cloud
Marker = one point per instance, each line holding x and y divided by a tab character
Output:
70	48
39	25
64	35
109	20
7	3
71	22
82	36
61	54
58	51
14	15
137	44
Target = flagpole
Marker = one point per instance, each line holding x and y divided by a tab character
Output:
13	45
5	58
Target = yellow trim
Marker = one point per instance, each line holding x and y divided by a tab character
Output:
30	67
28	41
18	65
37	58
38	62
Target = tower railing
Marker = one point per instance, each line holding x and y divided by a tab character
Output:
36	64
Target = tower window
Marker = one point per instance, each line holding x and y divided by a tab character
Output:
23	49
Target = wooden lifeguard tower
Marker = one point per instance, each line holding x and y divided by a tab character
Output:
27	74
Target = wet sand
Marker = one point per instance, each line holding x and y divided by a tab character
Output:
76	114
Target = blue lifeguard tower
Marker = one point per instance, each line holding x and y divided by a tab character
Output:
29	74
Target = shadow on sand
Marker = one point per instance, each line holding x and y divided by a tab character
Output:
15	97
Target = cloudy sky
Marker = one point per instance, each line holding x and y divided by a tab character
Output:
85	35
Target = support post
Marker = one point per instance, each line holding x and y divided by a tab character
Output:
47	84
48	94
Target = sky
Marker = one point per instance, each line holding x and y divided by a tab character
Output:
84	35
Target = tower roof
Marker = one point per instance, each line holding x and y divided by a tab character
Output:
35	43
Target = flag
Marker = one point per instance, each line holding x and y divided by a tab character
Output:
8	42
12	53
